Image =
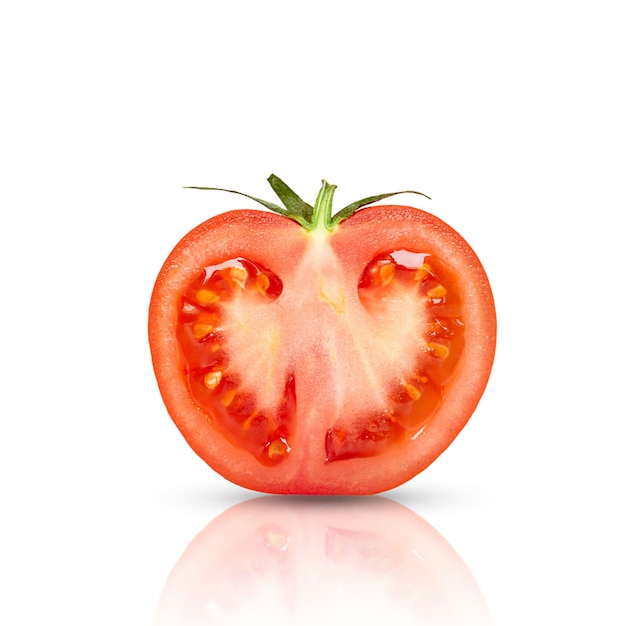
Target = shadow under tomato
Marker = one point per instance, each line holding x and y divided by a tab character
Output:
292	561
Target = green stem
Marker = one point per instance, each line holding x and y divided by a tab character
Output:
318	218
323	209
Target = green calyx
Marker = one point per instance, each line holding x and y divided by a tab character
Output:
311	218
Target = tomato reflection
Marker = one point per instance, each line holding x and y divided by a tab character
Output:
316	561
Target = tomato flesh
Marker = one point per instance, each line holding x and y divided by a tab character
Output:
332	363
388	281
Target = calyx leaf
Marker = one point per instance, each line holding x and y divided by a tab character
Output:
310	217
294	203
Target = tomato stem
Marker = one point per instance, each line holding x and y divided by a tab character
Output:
311	218
323	209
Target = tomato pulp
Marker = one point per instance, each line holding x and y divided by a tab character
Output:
311	354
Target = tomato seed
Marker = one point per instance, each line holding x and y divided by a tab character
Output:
206	296
276	448
239	276
414	392
439	350
212	379
422	272
248	423
437	292
228	397
387	272
200	331
262	283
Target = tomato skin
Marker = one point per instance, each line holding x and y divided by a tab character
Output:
281	244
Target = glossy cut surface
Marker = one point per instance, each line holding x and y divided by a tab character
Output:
321	362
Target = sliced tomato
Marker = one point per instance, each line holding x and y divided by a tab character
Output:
342	359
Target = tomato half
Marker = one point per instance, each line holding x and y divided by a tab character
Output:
311	354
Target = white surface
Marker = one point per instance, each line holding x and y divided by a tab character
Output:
510	115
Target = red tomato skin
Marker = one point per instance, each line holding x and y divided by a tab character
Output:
280	243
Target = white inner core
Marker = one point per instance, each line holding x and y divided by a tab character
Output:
340	353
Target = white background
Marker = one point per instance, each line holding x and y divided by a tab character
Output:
510	115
